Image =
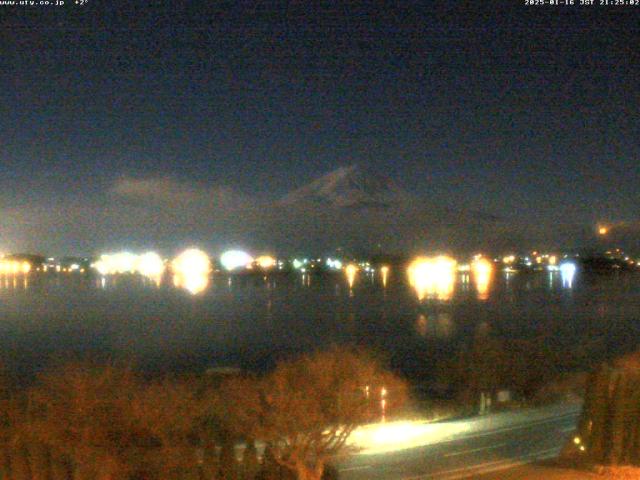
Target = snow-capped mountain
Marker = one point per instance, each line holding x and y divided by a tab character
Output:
350	187
354	207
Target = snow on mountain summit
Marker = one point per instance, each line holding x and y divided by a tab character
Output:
350	187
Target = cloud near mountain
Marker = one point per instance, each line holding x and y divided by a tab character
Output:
167	190
351	208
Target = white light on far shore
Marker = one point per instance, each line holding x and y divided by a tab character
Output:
234	259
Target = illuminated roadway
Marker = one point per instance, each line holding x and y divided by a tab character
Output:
462	448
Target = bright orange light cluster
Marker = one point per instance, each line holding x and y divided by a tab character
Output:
266	262
351	271
191	270
482	273
433	277
14	267
384	271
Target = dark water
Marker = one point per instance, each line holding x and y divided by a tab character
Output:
251	321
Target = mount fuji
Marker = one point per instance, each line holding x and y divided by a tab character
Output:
350	187
360	210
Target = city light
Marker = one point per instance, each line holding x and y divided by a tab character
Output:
567	272
603	230
266	262
191	262
116	263
351	270
334	264
13	267
433	277
150	265
234	259
482	273
194	284
384	271
191	270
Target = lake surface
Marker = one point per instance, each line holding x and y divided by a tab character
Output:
249	321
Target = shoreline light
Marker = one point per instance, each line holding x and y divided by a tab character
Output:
234	259
13	267
191	262
567	272
266	262
384	271
482	272
115	263
351	270
150	265
433	277
191	270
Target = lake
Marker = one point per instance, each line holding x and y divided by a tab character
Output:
250	321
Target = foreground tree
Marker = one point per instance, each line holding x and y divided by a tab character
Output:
480	371
306	409
609	428
82	415
171	413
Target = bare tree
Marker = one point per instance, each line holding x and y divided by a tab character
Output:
82	413
170	412
309	407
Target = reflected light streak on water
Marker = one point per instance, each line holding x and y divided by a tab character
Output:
193	283
384	271
350	271
567	272
482	276
191	271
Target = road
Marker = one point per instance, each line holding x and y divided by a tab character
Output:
462	448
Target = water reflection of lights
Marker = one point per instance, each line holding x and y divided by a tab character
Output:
384	271
433	277
421	325
464	280
11	282
191	270
194	284
567	273
351	271
482	274
483	329
440	326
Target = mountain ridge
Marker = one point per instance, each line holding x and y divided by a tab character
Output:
349	187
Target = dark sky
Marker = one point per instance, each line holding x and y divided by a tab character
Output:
529	113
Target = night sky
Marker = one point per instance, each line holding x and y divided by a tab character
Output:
159	124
